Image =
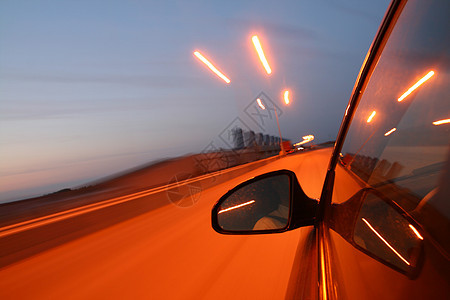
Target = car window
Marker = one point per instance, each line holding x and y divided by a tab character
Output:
398	142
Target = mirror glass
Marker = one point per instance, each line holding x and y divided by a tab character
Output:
262	204
386	234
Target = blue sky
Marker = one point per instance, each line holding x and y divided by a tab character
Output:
90	88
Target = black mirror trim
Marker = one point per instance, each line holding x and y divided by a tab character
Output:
302	208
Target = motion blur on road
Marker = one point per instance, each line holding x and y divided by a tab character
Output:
121	127
132	250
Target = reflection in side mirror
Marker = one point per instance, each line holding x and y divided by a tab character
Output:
387	234
273	202
258	205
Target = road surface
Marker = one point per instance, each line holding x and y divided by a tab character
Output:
169	252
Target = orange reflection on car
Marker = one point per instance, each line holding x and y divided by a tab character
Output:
211	66
416	85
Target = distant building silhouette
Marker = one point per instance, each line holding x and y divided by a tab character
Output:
238	138
249	138
259	139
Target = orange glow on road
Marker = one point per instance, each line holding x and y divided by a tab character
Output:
286	97
211	66
416	232
416	85
384	241
440	122
371	116
390	131
260	103
261	55
237	206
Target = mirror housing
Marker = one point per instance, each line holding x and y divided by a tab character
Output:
269	203
377	226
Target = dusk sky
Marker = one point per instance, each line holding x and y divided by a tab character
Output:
91	88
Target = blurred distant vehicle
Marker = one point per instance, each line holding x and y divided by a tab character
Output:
287	146
382	221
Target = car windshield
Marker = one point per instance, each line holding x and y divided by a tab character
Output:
398	142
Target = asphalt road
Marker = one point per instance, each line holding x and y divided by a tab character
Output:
132	251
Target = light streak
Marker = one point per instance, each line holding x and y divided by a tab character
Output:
211	66
416	232
440	122
346	110
286	97
387	244
322	269
261	55
260	103
390	131
371	116
416	85
236	206
306	139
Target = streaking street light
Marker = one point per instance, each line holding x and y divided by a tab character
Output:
260	104
236	206
440	122
416	232
306	139
371	116
390	131
261	55
286	97
416	85
211	66
385	242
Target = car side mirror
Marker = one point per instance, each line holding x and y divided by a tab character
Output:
269	203
380	228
